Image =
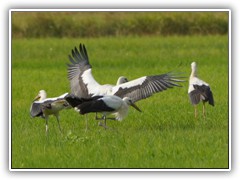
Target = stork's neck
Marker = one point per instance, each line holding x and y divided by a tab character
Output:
194	72
119	81
43	96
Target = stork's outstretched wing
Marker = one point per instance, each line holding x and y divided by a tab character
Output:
79	64
146	86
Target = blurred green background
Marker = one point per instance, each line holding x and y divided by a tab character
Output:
98	24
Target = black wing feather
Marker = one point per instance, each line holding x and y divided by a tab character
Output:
151	85
79	63
36	110
74	101
94	106
203	93
195	96
87	105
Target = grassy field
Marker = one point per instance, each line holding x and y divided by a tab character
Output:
164	135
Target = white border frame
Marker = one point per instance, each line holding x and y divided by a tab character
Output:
118	10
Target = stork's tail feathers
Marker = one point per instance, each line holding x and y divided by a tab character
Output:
210	98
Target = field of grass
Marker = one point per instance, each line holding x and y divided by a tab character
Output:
164	135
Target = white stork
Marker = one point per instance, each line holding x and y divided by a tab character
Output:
199	90
108	104
43	106
84	85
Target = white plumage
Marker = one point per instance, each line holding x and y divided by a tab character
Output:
84	85
120	80
199	90
44	107
108	104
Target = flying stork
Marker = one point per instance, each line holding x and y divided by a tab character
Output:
43	106
199	90
107	104
83	84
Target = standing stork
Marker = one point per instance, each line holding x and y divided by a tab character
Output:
44	107
108	104
199	90
83	84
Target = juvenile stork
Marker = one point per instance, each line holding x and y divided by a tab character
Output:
199	90
108	104
83	84
44	107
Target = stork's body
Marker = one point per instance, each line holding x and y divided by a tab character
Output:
44	107
120	80
199	90
107	104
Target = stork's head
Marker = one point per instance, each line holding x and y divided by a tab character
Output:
130	103
41	95
122	80
194	66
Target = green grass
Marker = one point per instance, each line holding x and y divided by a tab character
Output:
164	135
